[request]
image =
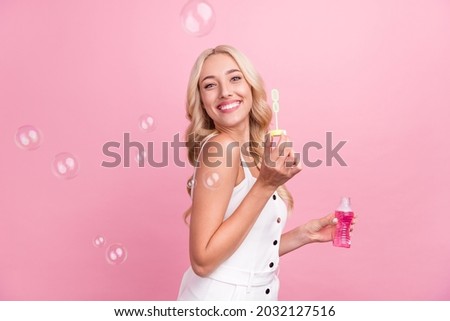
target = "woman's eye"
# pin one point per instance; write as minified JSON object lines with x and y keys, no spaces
{"x":207,"y":86}
{"x":236,"y":78}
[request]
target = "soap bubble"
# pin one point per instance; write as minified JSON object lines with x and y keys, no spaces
{"x":65,"y":165}
{"x":28,"y":137}
{"x":211,"y":180}
{"x":146,"y":123}
{"x":191,"y":183}
{"x":99,"y":241}
{"x":197,"y":18}
{"x":116,"y":254}
{"x":140,"y":157}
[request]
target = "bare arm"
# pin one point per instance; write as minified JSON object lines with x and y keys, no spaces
{"x":213,"y":240}
{"x":293,"y":239}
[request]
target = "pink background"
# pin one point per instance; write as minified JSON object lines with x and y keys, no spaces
{"x":375,"y":73}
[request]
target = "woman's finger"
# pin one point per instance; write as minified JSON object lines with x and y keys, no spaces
{"x":267,"y":147}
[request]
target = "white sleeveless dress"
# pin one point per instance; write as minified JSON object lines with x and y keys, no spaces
{"x":251,"y":272}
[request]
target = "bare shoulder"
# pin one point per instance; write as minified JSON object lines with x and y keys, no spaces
{"x":221,"y":151}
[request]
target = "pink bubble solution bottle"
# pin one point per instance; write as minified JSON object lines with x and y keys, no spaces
{"x":344,"y":214}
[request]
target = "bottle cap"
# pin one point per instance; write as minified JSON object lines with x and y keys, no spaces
{"x":345,"y":206}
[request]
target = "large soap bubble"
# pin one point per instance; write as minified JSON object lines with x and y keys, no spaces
{"x":28,"y":137}
{"x":197,"y":18}
{"x":65,"y":165}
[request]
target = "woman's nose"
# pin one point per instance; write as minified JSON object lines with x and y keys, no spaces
{"x":225,"y":90}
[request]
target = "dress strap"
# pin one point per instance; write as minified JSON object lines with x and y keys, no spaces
{"x":247,"y":172}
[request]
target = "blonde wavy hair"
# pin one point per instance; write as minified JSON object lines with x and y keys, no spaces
{"x":201,"y":126}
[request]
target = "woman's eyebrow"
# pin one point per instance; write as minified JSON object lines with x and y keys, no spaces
{"x":226,"y":73}
{"x":231,"y":71}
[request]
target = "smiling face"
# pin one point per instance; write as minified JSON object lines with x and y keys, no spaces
{"x":226,"y":95}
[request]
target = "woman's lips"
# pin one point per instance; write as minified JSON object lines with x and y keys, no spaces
{"x":229,"y":106}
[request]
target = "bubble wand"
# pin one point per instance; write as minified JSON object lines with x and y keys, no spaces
{"x":276,"y":109}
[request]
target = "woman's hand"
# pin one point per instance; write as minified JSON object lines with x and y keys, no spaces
{"x":279,"y":163}
{"x":321,"y":230}
{"x":316,"y":230}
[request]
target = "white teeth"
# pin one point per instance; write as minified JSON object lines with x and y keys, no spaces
{"x":229,"y":106}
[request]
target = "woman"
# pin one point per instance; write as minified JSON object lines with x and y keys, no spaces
{"x":239,"y":202}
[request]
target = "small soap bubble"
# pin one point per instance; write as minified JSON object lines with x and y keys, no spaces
{"x":197,"y":18}
{"x":191,"y":183}
{"x":211,"y":180}
{"x":99,"y":241}
{"x":140,"y":157}
{"x":65,"y":166}
{"x":146,"y":123}
{"x":28,"y":137}
{"x":116,"y":254}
